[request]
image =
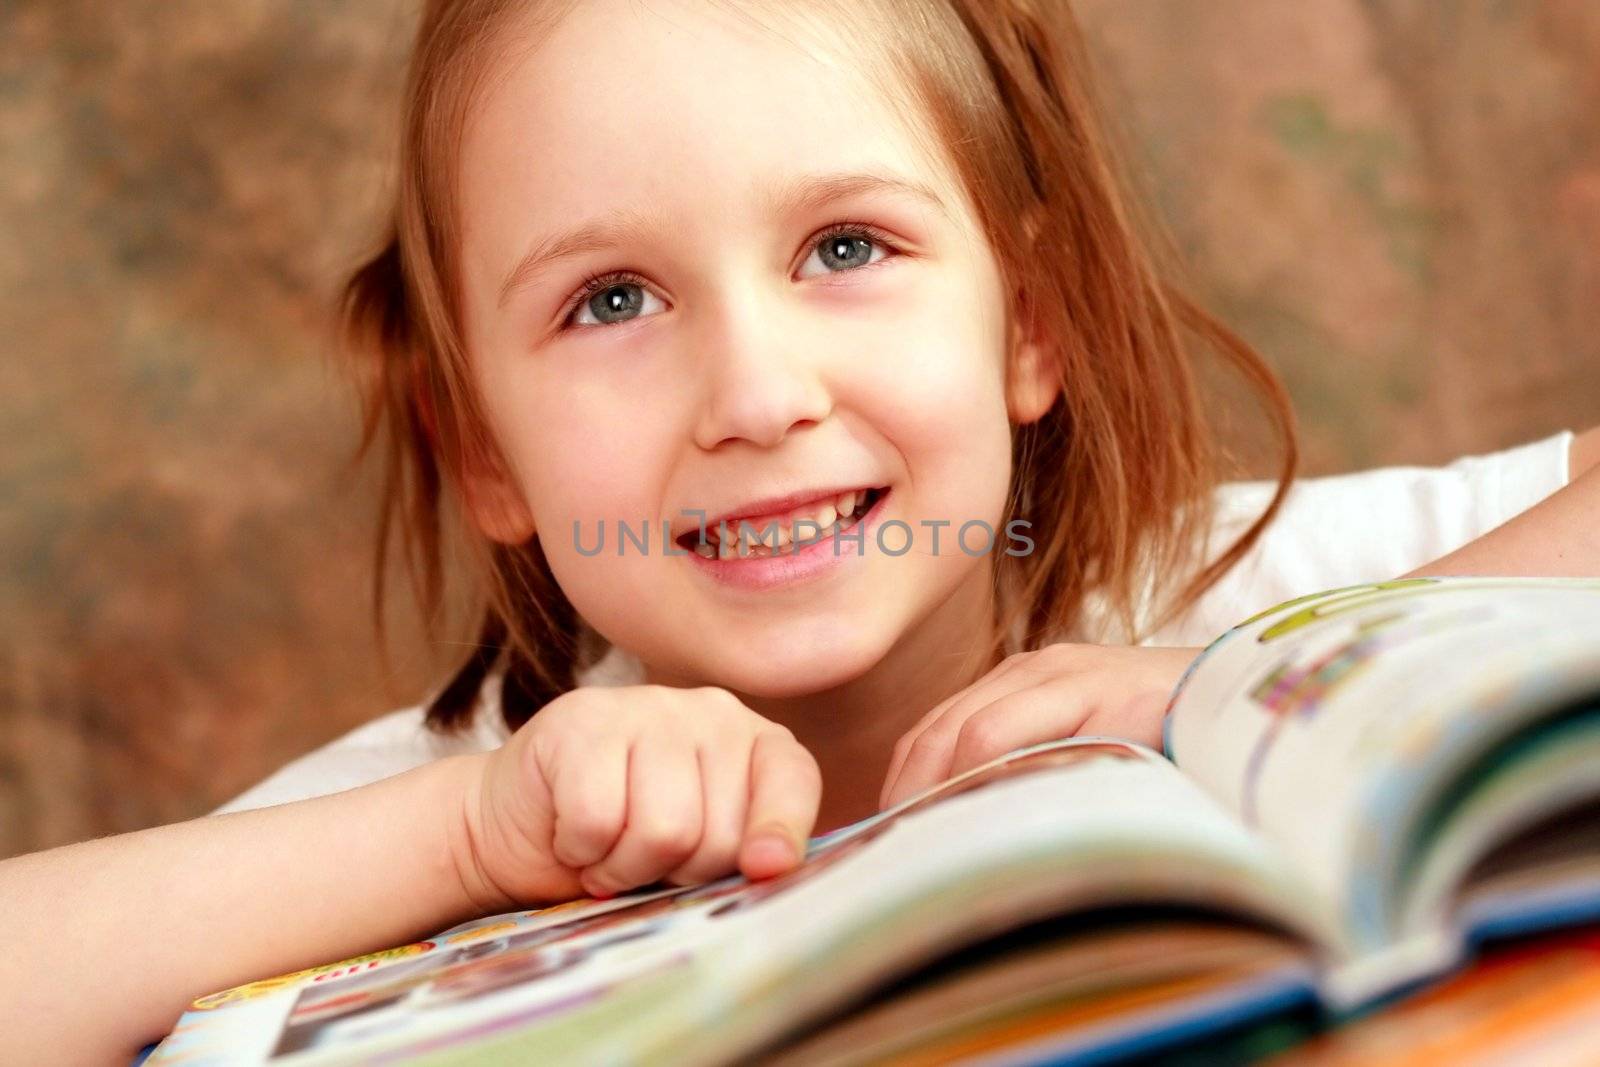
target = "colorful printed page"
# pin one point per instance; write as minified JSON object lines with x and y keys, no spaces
{"x":718,"y":971}
{"x":1343,"y":726}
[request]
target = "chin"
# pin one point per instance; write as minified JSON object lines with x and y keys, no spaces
{"x":798,"y":669}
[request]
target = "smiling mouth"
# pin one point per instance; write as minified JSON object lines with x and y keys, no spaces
{"x":750,"y":539}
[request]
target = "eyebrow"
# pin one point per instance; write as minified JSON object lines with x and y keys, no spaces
{"x":788,"y":198}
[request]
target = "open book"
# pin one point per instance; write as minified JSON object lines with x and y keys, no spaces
{"x":1360,"y":787}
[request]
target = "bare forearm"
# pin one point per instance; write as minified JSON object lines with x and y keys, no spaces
{"x":111,"y":938}
{"x":1585,"y":452}
{"x":1558,"y":536}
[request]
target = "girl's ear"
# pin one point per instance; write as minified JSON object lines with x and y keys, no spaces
{"x":495,"y":503}
{"x":1033,"y":378}
{"x":492,"y":498}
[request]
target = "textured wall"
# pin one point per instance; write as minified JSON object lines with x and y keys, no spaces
{"x":183,"y":560}
{"x":1398,"y":201}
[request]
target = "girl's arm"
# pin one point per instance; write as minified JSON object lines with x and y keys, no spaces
{"x":603,"y":791}
{"x":109,"y":939}
{"x":1558,"y":536}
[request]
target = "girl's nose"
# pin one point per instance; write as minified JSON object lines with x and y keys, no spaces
{"x":759,"y":377}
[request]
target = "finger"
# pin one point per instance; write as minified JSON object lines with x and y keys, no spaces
{"x":785,"y":792}
{"x":926,"y":757}
{"x":591,"y":801}
{"x":990,"y":687}
{"x":723,"y":777}
{"x":927,"y":762}
{"x":1017,"y":671}
{"x":1043,"y":713}
{"x":663,"y":821}
{"x":1140,"y":718}
{"x":906,"y":742}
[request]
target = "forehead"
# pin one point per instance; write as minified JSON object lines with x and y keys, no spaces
{"x":692,"y":109}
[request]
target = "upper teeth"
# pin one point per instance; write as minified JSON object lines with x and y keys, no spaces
{"x":776,"y":533}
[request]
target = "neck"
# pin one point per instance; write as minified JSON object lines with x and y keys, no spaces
{"x":851,"y":729}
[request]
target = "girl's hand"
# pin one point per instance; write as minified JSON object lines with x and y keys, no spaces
{"x":1055,"y":691}
{"x":610,"y":788}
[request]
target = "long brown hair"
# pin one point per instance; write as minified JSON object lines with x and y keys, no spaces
{"x":1116,"y":479}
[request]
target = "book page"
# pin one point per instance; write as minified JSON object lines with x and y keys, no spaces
{"x":702,"y":973}
{"x":1331,"y":723}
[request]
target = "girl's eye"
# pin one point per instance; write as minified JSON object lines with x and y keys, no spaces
{"x":846,"y":247}
{"x":607,"y":299}
{"x":610,"y":298}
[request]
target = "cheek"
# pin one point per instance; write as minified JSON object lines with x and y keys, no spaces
{"x":584,"y":455}
{"x":594,"y":476}
{"x":938,"y":396}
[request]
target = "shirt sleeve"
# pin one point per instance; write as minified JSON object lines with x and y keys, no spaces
{"x":1367,"y":526}
{"x":382,"y":748}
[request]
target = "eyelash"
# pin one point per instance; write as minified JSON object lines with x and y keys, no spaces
{"x":595,"y":283}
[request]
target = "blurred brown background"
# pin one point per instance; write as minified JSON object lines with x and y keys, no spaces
{"x":1397,"y":201}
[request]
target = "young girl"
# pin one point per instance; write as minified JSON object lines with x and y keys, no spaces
{"x":858,"y":269}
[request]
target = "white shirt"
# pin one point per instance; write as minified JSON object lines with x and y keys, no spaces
{"x":1331,"y":532}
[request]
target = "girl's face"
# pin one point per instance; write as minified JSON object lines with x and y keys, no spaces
{"x":739,"y":356}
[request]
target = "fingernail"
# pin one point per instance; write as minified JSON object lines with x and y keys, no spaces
{"x":771,"y":850}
